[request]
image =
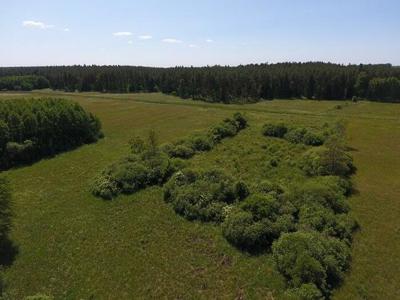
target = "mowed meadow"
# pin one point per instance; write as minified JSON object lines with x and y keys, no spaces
{"x":75,"y":246}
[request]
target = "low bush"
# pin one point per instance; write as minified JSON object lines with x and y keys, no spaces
{"x":311,"y":258}
{"x":133,"y":173}
{"x":274,"y":130}
{"x":202,"y":195}
{"x":296,"y":135}
{"x":258,"y":221}
{"x":315,"y":217}
{"x":188,"y":147}
{"x":327,"y":191}
{"x":308,"y":291}
{"x":181,"y":151}
{"x":326,"y":161}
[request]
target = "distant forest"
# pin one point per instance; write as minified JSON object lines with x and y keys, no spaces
{"x":249,"y":83}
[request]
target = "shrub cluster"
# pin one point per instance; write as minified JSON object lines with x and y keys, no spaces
{"x":203,"y":195}
{"x":296,"y":135}
{"x":33,"y":128}
{"x":186,"y":148}
{"x":150,"y":164}
{"x":330,"y":159}
{"x":312,"y":263}
{"x":133,"y":173}
{"x":258,"y":221}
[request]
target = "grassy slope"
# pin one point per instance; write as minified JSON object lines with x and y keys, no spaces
{"x":73,"y":245}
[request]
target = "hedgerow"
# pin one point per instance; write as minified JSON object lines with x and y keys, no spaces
{"x":186,"y":148}
{"x":296,"y":135}
{"x":150,"y":164}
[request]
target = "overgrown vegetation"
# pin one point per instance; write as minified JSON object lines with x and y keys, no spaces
{"x":151,"y":164}
{"x":296,"y":135}
{"x":306,"y":222}
{"x":34,"y":128}
{"x":58,"y":224}
{"x":250,"y":83}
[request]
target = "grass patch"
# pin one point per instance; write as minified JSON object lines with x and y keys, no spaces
{"x":73,"y":246}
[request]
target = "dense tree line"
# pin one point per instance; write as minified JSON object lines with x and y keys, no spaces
{"x":23,"y":83}
{"x":314,"y":80}
{"x":33,"y":128}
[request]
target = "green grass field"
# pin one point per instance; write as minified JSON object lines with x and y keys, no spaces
{"x":75,"y":246}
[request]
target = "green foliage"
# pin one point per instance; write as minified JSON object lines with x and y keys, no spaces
{"x":133,"y":173}
{"x":274,"y":130}
{"x":257,"y":222}
{"x":186,"y":148}
{"x":23,"y":83}
{"x":327,"y":191}
{"x":382,"y":89}
{"x":241,"y":84}
{"x":181,"y":151}
{"x":330,"y":159}
{"x":307,"y":291}
{"x":296,"y":135}
{"x":311,"y":258}
{"x":202,"y":195}
{"x":34,"y":128}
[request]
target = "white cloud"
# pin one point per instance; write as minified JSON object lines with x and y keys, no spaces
{"x":122,"y":33}
{"x":193,"y":46}
{"x":36,"y":24}
{"x":66,"y":29}
{"x":172,"y":41}
{"x":209,"y":41}
{"x":130,"y":42}
{"x":145,"y":37}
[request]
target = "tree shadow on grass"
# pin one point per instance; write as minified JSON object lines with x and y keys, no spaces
{"x":8,"y":252}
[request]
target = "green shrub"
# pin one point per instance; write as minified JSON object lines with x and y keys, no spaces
{"x":201,"y":195}
{"x":226,"y":129}
{"x":105,"y":187}
{"x":325,"y":191}
{"x":325,"y":161}
{"x":295,"y":135}
{"x":200,"y":143}
{"x":240,"y":120}
{"x":312,"y":139}
{"x":307,"y":291}
{"x":133,"y":173}
{"x":257,"y":222}
{"x":274,"y":130}
{"x":310,"y":258}
{"x":137,"y":145}
{"x":267,"y":186}
{"x":181,"y":151}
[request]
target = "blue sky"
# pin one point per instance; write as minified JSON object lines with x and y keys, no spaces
{"x":177,"y":32}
